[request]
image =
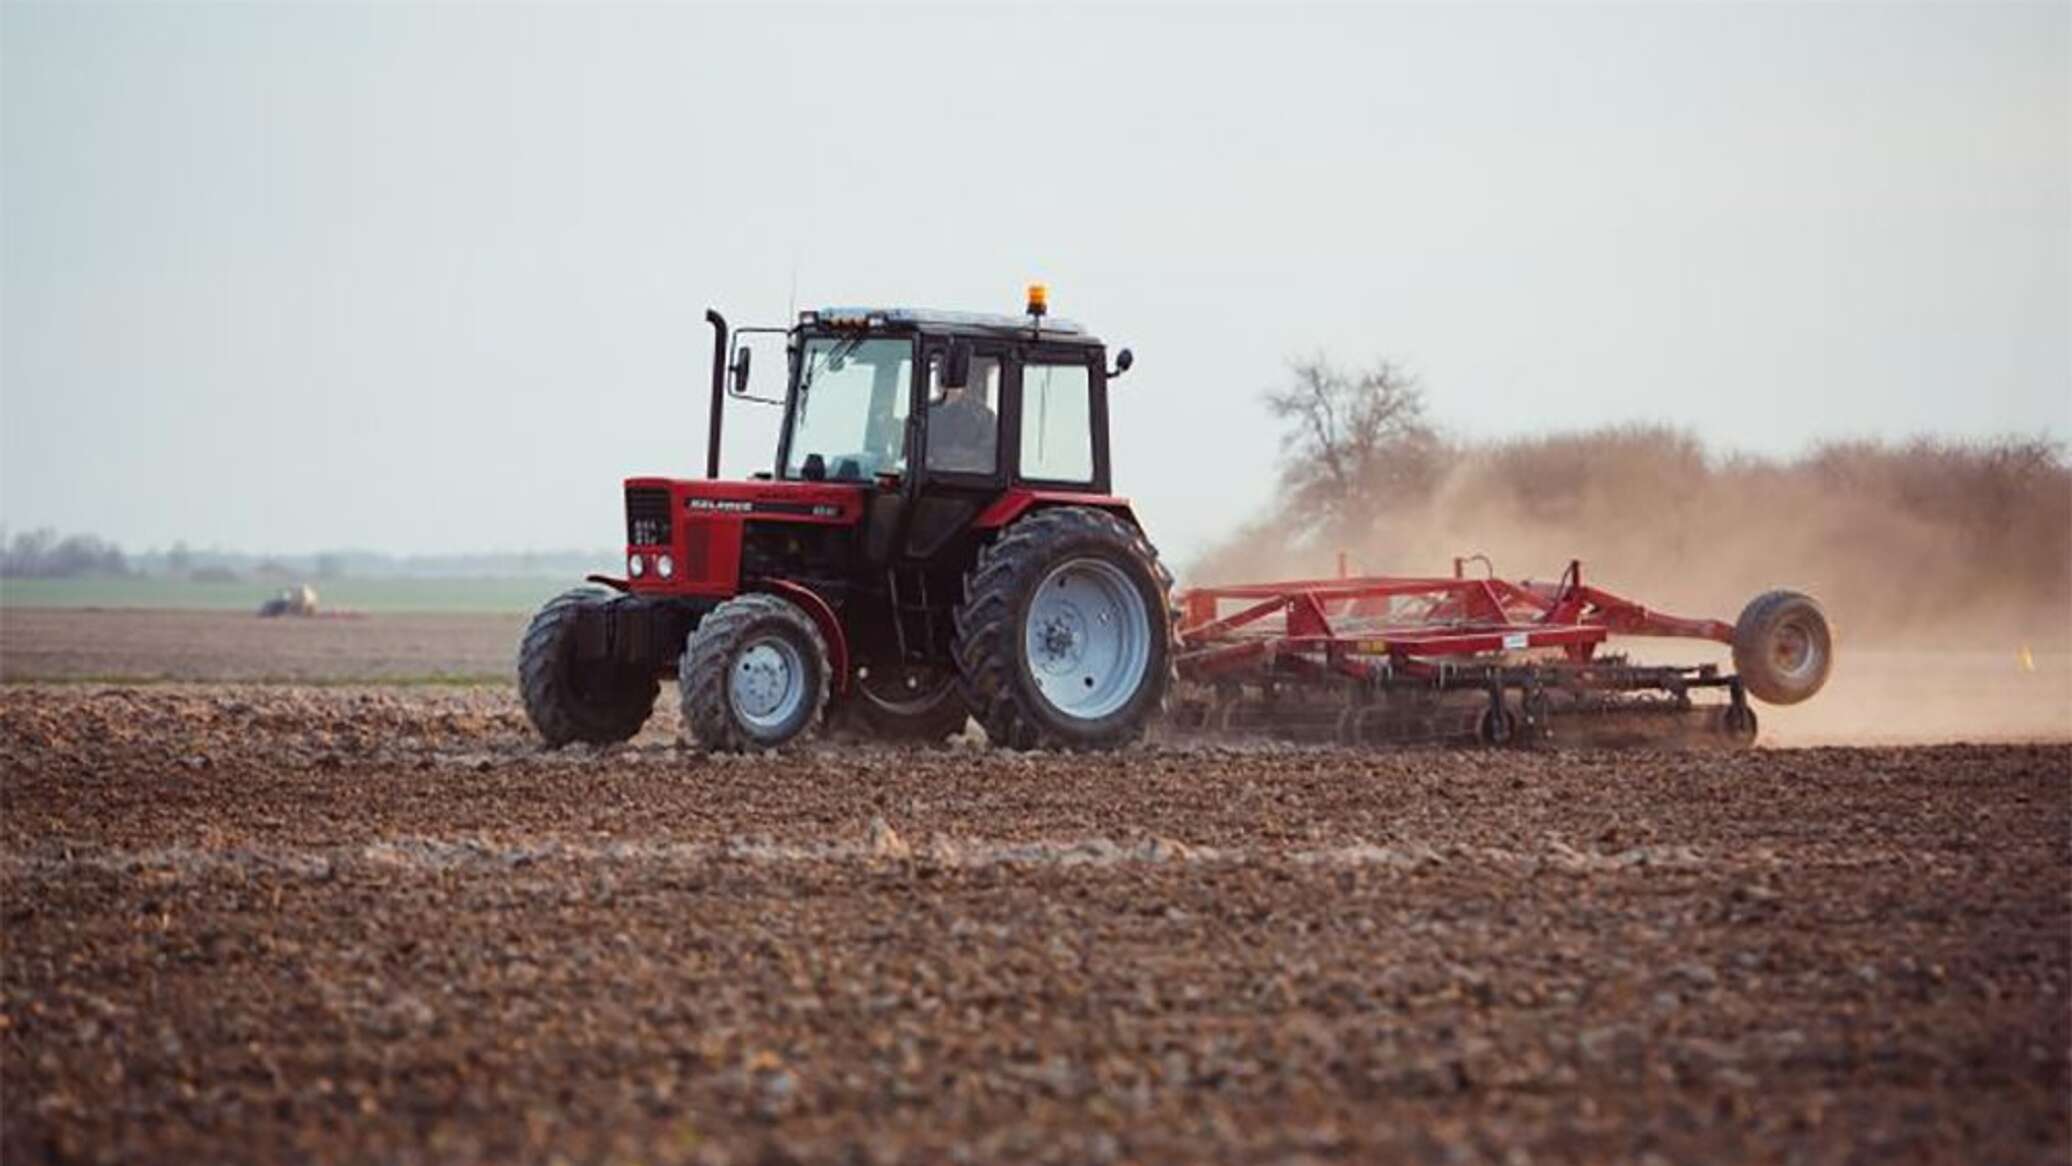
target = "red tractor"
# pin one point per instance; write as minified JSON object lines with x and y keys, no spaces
{"x":935,"y":542}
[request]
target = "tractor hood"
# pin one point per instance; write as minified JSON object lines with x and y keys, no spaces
{"x":837,"y":502}
{"x":683,"y":535}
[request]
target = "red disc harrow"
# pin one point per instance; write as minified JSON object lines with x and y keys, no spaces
{"x":1378,"y":659}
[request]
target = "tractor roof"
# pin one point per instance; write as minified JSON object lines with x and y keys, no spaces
{"x":936,"y":320}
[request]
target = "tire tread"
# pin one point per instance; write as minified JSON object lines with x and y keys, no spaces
{"x":702,"y":670}
{"x":559,"y":715}
{"x":1751,"y":632}
{"x":983,"y":644}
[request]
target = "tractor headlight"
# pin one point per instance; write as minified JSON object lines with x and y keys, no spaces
{"x":665,"y":566}
{"x":635,"y":565}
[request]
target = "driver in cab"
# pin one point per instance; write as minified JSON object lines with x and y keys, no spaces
{"x":962,"y":427}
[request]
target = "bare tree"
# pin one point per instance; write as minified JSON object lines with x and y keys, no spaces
{"x":1355,"y":443}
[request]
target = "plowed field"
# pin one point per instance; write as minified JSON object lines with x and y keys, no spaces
{"x":1878,"y":695}
{"x":276,"y":923}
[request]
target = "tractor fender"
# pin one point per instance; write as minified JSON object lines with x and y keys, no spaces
{"x":1017,"y":502}
{"x":823,"y":618}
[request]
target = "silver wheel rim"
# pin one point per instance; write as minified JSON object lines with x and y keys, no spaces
{"x":767,"y":682}
{"x":1088,"y":638}
{"x":1794,"y":651}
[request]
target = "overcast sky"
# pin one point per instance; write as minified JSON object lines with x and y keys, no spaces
{"x":418,"y":279}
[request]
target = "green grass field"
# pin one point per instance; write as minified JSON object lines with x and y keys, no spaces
{"x":370,"y":595}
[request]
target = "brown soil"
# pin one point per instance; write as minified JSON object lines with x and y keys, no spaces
{"x":256,"y":924}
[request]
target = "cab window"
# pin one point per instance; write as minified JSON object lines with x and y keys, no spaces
{"x":1057,"y":423}
{"x":964,"y":424}
{"x":848,"y":416}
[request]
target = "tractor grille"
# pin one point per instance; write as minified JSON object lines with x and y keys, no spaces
{"x":647,"y":516}
{"x":697,"y":549}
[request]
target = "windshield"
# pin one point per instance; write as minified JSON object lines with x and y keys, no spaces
{"x":850,"y":409}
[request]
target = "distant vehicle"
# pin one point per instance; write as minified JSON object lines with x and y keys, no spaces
{"x":291,"y":601}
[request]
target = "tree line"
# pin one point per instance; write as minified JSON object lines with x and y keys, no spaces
{"x":43,"y":554}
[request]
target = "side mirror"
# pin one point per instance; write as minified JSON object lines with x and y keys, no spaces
{"x":740,"y":370}
{"x":1123,"y":361}
{"x":956,"y":365}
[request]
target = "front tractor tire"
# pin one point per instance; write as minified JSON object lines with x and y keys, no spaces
{"x":1065,"y":638}
{"x":570,"y":700}
{"x":753,"y":675}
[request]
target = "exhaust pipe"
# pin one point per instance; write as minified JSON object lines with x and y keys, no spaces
{"x":719,"y":390}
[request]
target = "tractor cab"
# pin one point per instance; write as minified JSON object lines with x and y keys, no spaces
{"x":934,"y":416}
{"x":962,"y":399}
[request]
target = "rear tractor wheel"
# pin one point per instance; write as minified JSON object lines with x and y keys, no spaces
{"x":1782,"y":647}
{"x":570,"y":699}
{"x":753,"y":675}
{"x":1065,"y":637}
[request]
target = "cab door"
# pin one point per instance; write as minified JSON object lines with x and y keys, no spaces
{"x":965,"y":458}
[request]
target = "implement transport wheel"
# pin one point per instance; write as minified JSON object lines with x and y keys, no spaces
{"x":1496,"y":725}
{"x":896,"y":703}
{"x":1737,"y":723}
{"x":1782,"y":647}
{"x":569,"y":700}
{"x":753,"y":675}
{"x":1065,"y":637}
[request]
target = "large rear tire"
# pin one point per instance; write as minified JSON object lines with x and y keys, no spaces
{"x":1065,"y":638}
{"x":753,"y":675}
{"x":570,"y":700}
{"x":1782,"y":647}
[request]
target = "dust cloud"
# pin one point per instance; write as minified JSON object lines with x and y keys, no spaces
{"x":1945,"y":567}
